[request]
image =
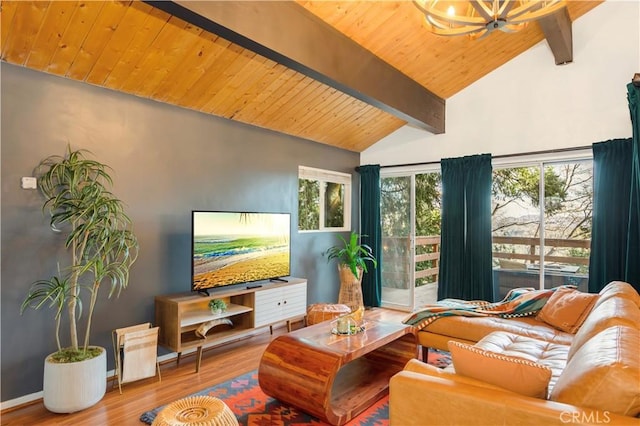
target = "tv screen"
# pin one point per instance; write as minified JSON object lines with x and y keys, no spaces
{"x":238,"y":247}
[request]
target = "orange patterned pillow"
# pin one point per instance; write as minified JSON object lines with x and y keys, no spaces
{"x":567,"y":309}
{"x":509,"y":372}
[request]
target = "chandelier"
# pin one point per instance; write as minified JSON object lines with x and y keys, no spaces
{"x":479,"y":18}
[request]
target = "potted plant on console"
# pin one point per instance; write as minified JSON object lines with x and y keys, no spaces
{"x":217,"y":306}
{"x":352,"y":257}
{"x":101,"y":249}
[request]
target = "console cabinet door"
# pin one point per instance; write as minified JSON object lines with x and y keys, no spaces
{"x":280,"y":304}
{"x":294,"y":301}
{"x":268,"y":308}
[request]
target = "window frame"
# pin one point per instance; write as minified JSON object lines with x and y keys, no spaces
{"x":540,"y":162}
{"x":501,"y":161}
{"x":409,"y":172}
{"x":323,"y":176}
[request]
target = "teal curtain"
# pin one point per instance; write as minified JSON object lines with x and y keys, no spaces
{"x":465,"y":249}
{"x":615,"y":239}
{"x":452,"y":230}
{"x":632,"y":275}
{"x":371,"y":231}
{"x":610,"y":223}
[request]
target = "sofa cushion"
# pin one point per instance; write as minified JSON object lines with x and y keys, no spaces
{"x":551,"y":355}
{"x":567,"y":309}
{"x":513,"y":373}
{"x":619,"y":289}
{"x":604,"y":373}
{"x":611,"y":312}
{"x":473,"y":329}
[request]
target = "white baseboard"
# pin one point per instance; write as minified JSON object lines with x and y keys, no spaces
{"x":19,"y":401}
{"x":26,"y":399}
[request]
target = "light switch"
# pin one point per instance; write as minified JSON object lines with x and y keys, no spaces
{"x":29,"y":182}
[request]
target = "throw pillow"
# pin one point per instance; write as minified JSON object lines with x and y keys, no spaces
{"x":567,"y":309}
{"x":508,"y":372}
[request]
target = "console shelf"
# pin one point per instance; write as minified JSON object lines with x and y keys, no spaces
{"x":180,"y":315}
{"x":198,"y":317}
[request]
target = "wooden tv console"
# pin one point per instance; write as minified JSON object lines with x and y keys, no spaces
{"x":180,"y":315}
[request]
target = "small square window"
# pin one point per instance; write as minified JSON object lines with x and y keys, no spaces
{"x":324,"y":200}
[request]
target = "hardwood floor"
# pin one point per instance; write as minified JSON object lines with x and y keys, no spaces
{"x":218,"y":365}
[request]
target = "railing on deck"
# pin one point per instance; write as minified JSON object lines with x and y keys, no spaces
{"x":428,"y":248}
{"x":533,"y":243}
{"x":432,"y":245}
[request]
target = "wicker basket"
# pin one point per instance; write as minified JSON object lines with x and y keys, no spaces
{"x":200,"y":410}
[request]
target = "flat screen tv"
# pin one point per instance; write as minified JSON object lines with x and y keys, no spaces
{"x":231,"y":248}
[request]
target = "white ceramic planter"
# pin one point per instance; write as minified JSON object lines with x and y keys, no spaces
{"x":72,"y":387}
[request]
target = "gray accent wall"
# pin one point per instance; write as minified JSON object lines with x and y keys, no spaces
{"x":166,"y":162}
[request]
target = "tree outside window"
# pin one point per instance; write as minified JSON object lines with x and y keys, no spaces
{"x":541,"y":221}
{"x":324,"y":200}
{"x":308,"y":204}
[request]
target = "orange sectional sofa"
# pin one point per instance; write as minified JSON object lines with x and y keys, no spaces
{"x":525,"y":371}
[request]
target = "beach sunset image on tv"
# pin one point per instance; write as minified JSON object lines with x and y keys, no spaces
{"x":233,"y":248}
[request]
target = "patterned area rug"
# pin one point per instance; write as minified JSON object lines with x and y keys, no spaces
{"x":253,"y":408}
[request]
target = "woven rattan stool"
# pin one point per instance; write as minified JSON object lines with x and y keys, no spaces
{"x":319,"y":312}
{"x":196,"y":411}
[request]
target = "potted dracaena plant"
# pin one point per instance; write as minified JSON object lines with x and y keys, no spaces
{"x":352,"y":258}
{"x":101,"y":249}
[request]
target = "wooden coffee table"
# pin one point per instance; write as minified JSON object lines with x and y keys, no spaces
{"x":336,"y":377}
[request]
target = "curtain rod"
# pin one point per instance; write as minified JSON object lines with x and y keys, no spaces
{"x":519,"y":154}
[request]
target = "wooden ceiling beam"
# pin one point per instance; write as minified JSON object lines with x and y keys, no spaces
{"x":557,"y":30}
{"x":286,"y":32}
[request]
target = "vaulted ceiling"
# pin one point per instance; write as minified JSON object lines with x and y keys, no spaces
{"x":342,"y":73}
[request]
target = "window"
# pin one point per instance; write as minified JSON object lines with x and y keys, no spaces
{"x":324,"y":200}
{"x":542,"y":225}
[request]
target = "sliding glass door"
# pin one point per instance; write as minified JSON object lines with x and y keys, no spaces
{"x":541,"y":221}
{"x":396,"y":213}
{"x":541,"y":226}
{"x":568,"y":209}
{"x":516,"y":228}
{"x":410,"y":216}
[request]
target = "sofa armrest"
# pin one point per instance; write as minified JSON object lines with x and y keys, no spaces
{"x":417,"y":366}
{"x":448,"y":399}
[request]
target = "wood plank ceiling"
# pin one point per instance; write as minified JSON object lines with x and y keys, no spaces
{"x":132,"y":47}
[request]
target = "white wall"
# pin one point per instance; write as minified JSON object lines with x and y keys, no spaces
{"x":531,"y":104}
